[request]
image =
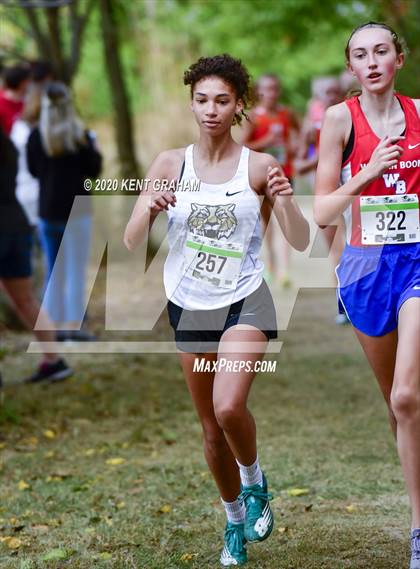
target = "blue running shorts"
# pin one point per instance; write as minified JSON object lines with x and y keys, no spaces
{"x":374,"y":282}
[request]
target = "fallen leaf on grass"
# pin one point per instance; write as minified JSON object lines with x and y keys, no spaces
{"x":54,"y":479}
{"x":165,"y":509}
{"x":57,"y":555}
{"x":22,"y":485}
{"x":49,"y":434}
{"x":283,"y":530}
{"x":185,"y":557}
{"x":29,"y":441}
{"x":136,"y":490}
{"x":49,"y":454}
{"x":120,"y":505}
{"x":115,"y":461}
{"x":58,"y":476}
{"x":89,"y":452}
{"x":11,"y":542}
{"x":105,"y":555}
{"x":42,"y":528}
{"x":351,"y":508}
{"x":298,"y":491}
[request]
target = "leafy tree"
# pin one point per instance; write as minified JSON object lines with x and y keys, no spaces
{"x":57,"y":27}
{"x":122,"y":115}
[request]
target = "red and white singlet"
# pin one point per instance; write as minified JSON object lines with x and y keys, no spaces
{"x":280,"y":123}
{"x":387,"y":210}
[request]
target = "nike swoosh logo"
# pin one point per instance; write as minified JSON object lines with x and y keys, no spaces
{"x":412,"y":146}
{"x":233,"y":193}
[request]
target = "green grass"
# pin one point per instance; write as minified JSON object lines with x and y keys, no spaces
{"x":322,"y":426}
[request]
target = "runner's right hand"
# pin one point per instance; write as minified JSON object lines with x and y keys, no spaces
{"x":385,"y":155}
{"x":160,"y":201}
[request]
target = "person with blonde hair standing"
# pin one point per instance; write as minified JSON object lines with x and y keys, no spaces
{"x":62,"y":154}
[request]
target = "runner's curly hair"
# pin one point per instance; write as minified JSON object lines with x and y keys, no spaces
{"x":227,"y":68}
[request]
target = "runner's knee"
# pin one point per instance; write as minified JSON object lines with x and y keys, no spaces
{"x":228,"y":414}
{"x":405,"y":403}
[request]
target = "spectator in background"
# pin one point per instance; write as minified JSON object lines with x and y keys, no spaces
{"x":12,"y":96}
{"x":62,"y":154}
{"x":349,"y":84}
{"x":326,"y":91}
{"x":273,"y":128}
{"x":27,"y":187}
{"x":15,"y":265}
{"x":41,"y":72}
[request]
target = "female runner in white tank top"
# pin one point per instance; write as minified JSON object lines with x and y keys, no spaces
{"x":213,"y":281}
{"x":379,"y":272}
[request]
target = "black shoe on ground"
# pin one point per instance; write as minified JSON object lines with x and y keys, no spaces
{"x":62,"y":335}
{"x":81,"y":336}
{"x":57,"y":371}
{"x":74,"y":336}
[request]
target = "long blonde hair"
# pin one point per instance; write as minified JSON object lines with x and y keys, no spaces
{"x":61,"y":130}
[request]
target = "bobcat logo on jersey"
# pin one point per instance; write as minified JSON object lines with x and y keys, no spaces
{"x":213,"y":221}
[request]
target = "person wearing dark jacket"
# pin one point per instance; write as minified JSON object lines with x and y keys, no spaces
{"x":15,"y":265}
{"x":62,"y":155}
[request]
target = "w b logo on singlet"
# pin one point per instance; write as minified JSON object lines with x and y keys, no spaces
{"x":393,"y":181}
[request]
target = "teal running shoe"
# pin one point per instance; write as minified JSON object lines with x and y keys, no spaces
{"x":234,"y":551}
{"x":259,"y":521}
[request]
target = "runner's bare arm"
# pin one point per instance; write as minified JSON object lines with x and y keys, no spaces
{"x":331,"y":202}
{"x":267,"y":177}
{"x":151,"y":202}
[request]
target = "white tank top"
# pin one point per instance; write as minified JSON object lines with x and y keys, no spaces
{"x":214,"y":237}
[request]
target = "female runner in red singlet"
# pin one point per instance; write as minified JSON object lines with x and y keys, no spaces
{"x":373,"y":143}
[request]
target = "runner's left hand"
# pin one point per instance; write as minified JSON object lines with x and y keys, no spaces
{"x":277,"y":183}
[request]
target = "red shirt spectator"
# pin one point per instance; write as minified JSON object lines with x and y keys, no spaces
{"x":16,"y":81}
{"x":10,"y":110}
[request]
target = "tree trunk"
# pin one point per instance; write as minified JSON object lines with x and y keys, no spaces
{"x":122,"y":115}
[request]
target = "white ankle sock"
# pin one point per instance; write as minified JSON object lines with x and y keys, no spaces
{"x":251,"y":474}
{"x":235,"y":511}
